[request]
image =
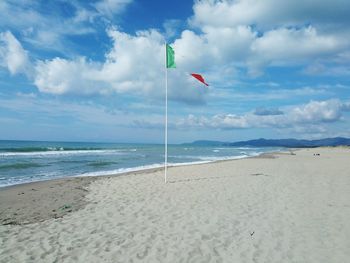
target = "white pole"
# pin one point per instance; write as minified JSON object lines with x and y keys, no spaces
{"x":166,"y":118}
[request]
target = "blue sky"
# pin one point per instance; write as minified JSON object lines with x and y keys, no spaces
{"x":94,"y":70}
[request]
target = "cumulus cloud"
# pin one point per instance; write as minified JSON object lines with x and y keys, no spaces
{"x":243,"y":46}
{"x":283,"y":47}
{"x":311,"y":114}
{"x":252,"y":34}
{"x":268,"y":13}
{"x":227,"y":41}
{"x":134,"y":64}
{"x":12,"y":54}
{"x":215,"y":46}
{"x":60,"y":76}
{"x":131,"y":65}
{"x":318,"y":111}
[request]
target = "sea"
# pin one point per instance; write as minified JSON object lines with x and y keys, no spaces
{"x":29,"y":161}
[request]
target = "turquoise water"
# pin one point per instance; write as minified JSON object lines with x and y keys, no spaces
{"x":27,"y":161}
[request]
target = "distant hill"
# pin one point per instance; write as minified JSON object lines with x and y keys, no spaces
{"x":338,"y":141}
{"x":207,"y":143}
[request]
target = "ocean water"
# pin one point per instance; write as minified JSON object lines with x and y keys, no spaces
{"x":27,"y":161}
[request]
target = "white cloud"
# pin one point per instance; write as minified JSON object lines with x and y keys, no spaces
{"x":12,"y":54}
{"x":43,"y":29}
{"x":268,"y":13}
{"x":253,"y":34}
{"x":225,"y":43}
{"x":318,"y":111}
{"x":220,"y":121}
{"x":19,"y":14}
{"x":60,"y":76}
{"x":134,"y":64}
{"x":51,"y":31}
{"x":241,"y":46}
{"x":111,"y":7}
{"x":215,"y":46}
{"x":308,"y":115}
{"x":283,"y":47}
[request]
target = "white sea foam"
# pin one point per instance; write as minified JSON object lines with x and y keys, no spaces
{"x":213,"y":158}
{"x":203,"y":159}
{"x":62,"y":152}
{"x":59,"y":173}
{"x":246,"y":148}
{"x":121,"y":170}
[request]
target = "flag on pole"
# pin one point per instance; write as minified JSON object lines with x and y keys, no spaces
{"x":199,"y":78}
{"x":169,"y":63}
{"x":170,"y":57}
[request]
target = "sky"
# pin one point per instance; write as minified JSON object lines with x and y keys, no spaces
{"x":95,"y":70}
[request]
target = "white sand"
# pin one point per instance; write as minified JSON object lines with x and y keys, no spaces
{"x":294,"y":208}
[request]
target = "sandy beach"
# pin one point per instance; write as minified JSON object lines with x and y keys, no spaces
{"x":273,"y":208}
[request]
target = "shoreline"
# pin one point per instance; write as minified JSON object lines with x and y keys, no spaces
{"x":71,"y":191}
{"x":152,"y":168}
{"x":282,"y":207}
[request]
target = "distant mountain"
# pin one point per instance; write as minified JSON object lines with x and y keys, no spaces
{"x":338,"y":141}
{"x":207,"y":143}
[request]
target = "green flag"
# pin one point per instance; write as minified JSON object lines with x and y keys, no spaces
{"x":170,"y":57}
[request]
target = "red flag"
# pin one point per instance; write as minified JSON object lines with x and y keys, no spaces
{"x":200,"y":78}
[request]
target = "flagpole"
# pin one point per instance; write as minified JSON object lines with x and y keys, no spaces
{"x":166,"y":119}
